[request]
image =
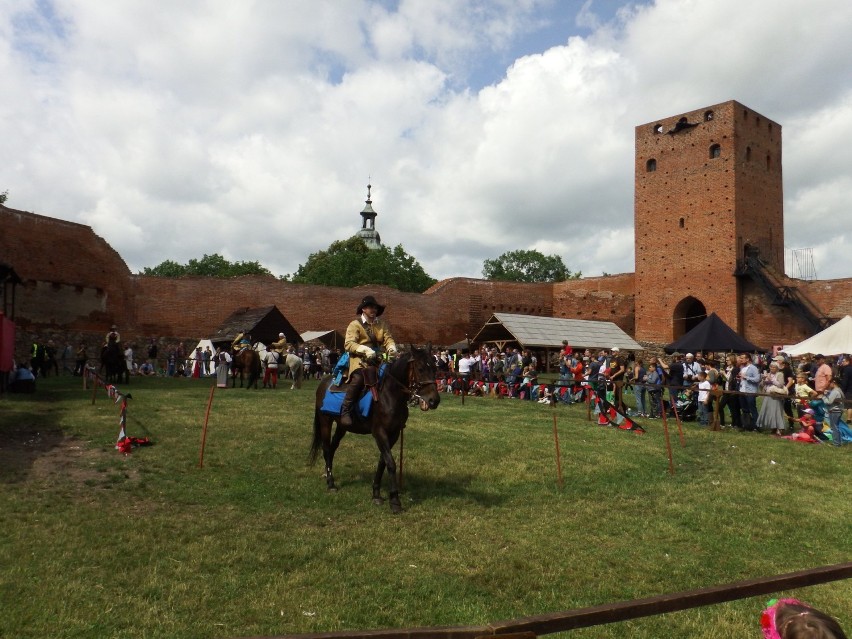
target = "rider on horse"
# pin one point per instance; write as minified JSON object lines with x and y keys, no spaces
{"x":113,"y":335}
{"x":280,"y":346}
{"x":366,"y":337}
{"x":241,"y":341}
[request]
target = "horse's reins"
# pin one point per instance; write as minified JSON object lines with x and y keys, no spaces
{"x":414,"y":385}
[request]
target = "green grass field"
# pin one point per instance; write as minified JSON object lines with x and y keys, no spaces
{"x":96,"y":544}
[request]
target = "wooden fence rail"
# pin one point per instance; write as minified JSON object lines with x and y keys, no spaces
{"x":530,"y":627}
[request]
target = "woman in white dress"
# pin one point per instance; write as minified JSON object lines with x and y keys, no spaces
{"x":771,"y":416}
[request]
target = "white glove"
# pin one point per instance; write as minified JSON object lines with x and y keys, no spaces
{"x":392,"y":351}
{"x":365,"y":351}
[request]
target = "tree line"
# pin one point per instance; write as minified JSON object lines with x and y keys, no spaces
{"x":351,"y":263}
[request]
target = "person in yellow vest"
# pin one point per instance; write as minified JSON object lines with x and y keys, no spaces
{"x":367,"y":338}
{"x":280,"y":346}
{"x":241,"y":341}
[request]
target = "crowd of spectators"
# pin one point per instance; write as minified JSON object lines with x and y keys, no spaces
{"x":794,"y":395}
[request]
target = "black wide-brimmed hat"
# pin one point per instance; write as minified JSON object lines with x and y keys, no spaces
{"x":369,"y":300}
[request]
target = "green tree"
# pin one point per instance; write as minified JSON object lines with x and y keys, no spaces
{"x":208,"y":266}
{"x":4,"y":196}
{"x":351,"y":263}
{"x":527,"y":266}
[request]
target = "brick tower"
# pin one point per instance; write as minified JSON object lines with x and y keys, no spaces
{"x":707,"y":190}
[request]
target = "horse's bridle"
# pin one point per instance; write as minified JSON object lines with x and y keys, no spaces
{"x":414,"y":385}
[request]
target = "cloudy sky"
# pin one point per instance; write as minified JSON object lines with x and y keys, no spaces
{"x":251,"y":128}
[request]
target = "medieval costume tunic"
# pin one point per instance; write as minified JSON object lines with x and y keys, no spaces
{"x":363,"y":340}
{"x":280,"y":346}
{"x":223,"y":365}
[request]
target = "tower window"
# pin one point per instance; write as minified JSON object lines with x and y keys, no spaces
{"x":715,"y":151}
{"x":682,"y":222}
{"x":748,"y":154}
{"x":658,"y":128}
{"x":651,"y":165}
{"x":768,"y":162}
{"x":708,"y":116}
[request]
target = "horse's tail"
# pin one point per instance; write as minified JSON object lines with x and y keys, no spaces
{"x":316,"y":444}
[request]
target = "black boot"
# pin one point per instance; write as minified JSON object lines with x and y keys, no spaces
{"x":353,"y":394}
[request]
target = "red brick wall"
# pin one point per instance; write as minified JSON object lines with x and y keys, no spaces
{"x":445,"y":314}
{"x":767,"y":324}
{"x":608,"y":299}
{"x":832,"y":297}
{"x":694,"y":212}
{"x":72,"y":277}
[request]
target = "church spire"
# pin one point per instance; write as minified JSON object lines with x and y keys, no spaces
{"x":368,"y":231}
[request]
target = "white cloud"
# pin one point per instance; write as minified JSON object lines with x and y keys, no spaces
{"x":173,"y":132}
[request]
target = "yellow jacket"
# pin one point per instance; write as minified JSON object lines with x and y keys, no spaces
{"x":280,"y":346}
{"x":360,"y":346}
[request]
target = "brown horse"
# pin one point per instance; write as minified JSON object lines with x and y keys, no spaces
{"x":246,"y":361}
{"x":408,"y":380}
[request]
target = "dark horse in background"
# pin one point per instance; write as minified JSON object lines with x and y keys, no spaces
{"x":113,"y":363}
{"x":247,"y":361}
{"x":408,"y":379}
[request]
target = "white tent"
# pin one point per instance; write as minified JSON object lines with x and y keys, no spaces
{"x":203,"y":344}
{"x":834,"y":340}
{"x":330,"y":338}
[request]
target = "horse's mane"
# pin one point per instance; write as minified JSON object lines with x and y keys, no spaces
{"x":398,"y":368}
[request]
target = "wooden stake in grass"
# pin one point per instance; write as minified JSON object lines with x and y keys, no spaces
{"x":677,"y":419}
{"x":717,"y":398}
{"x":668,"y":442}
{"x":204,"y":430}
{"x":94,"y":389}
{"x":558,"y":456}
{"x":401,"y":447}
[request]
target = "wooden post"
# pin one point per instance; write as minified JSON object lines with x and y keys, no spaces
{"x":668,"y":443}
{"x":401,"y":447}
{"x":717,"y":397}
{"x":673,"y":402}
{"x":558,"y":456}
{"x":204,"y":430}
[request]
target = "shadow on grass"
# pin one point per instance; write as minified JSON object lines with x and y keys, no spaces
{"x":420,"y":488}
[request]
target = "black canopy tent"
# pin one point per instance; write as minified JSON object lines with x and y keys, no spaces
{"x":264,"y":324}
{"x":712,"y":335}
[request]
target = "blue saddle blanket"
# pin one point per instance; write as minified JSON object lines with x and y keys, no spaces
{"x":332,"y":402}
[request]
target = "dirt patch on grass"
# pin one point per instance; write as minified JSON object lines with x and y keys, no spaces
{"x":33,"y":454}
